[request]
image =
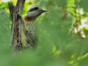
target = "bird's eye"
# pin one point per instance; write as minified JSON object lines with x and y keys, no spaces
{"x":33,"y":9}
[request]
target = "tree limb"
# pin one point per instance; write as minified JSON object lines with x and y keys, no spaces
{"x":16,"y":13}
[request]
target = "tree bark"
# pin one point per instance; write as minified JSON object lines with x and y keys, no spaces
{"x":16,"y":12}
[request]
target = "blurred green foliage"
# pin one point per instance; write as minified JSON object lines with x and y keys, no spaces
{"x":63,"y":35}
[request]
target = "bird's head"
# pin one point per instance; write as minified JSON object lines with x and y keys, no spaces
{"x":33,"y":13}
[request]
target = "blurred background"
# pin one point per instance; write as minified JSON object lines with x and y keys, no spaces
{"x":63,"y":34}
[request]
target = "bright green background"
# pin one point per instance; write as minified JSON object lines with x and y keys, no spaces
{"x":59,"y":44}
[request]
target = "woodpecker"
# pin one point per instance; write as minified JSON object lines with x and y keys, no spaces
{"x":29,"y":36}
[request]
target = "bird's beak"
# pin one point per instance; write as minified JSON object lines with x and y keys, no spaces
{"x":40,"y":12}
{"x":43,"y":11}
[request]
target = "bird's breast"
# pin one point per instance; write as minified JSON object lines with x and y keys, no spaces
{"x":30,"y":27}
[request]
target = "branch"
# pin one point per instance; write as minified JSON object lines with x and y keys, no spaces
{"x":16,"y":13}
{"x":11,"y":8}
{"x":19,"y":6}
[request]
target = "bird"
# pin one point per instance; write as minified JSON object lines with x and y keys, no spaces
{"x":29,"y":37}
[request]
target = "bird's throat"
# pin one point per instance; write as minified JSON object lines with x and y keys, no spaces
{"x":28,"y":19}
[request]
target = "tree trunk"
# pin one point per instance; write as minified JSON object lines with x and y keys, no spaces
{"x":16,"y":12}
